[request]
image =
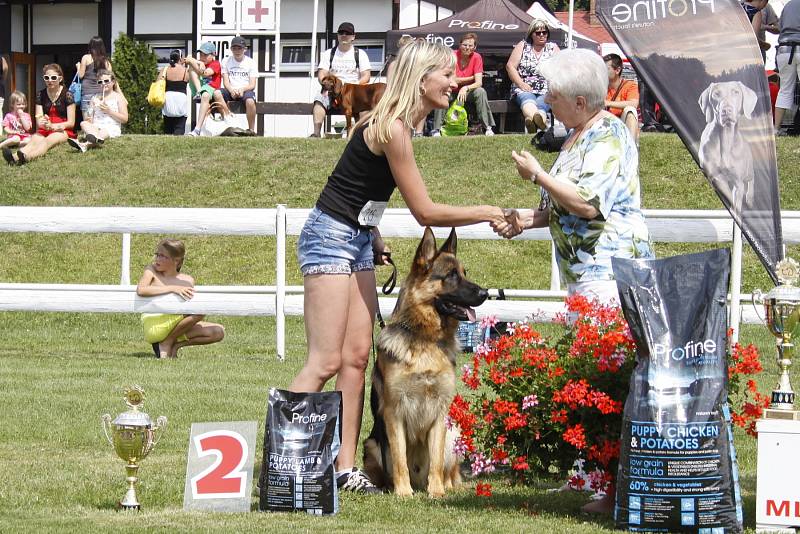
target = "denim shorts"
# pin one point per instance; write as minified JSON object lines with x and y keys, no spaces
{"x":522,"y":98}
{"x":329,"y":246}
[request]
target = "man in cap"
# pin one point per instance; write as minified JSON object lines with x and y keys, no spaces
{"x":205,"y":77}
{"x":344,"y":61}
{"x":239,"y":74}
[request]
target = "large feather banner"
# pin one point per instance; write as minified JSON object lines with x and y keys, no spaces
{"x":702,"y":61}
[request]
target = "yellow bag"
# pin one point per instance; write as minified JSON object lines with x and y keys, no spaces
{"x":157,"y":94}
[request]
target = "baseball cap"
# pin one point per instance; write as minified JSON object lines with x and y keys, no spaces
{"x":208,"y":48}
{"x":346,"y":27}
{"x":238,"y":41}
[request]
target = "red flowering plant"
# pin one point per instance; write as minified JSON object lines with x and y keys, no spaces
{"x":539,"y":404}
{"x":750,"y":404}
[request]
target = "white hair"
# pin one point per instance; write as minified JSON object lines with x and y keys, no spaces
{"x":577,"y":72}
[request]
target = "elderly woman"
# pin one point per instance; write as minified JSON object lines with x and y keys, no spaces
{"x":590,"y":197}
{"x":529,"y":86}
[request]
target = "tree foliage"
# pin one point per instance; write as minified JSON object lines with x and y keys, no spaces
{"x":136,"y":67}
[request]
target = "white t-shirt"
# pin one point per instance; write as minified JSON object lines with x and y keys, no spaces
{"x":343,"y":65}
{"x":239,"y":72}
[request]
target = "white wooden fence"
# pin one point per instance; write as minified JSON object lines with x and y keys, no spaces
{"x":704,"y":226}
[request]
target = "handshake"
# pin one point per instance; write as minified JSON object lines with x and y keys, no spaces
{"x":508,"y":225}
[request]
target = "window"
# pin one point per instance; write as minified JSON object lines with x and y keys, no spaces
{"x":296,"y":56}
{"x":162,"y":50}
{"x":374,"y":50}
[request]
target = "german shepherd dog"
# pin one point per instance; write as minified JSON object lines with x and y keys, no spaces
{"x":414,"y":379}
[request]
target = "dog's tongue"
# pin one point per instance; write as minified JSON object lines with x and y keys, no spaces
{"x":470,"y":313}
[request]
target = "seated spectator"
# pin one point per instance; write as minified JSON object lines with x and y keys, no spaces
{"x":107,"y":112}
{"x":239,"y":74}
{"x":17,"y":123}
{"x":469,"y":78}
{"x":344,"y":61}
{"x":176,"y":105}
{"x":168,"y":333}
{"x":205,"y":77}
{"x":622,"y":96}
{"x":55,"y":118}
{"x":528,"y":85}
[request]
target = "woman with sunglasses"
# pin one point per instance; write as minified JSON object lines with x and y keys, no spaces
{"x":529,"y":87}
{"x":55,"y":118}
{"x":107,"y":112}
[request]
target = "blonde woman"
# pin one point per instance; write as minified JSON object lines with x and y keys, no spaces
{"x":340,"y":238}
{"x":107,"y":112}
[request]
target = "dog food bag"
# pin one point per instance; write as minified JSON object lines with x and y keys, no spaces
{"x":677,"y":467}
{"x":301,"y":442}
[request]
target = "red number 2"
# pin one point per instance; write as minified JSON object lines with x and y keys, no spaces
{"x":224,"y":478}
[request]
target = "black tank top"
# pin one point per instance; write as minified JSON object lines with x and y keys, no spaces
{"x":179,"y":86}
{"x":359,"y":176}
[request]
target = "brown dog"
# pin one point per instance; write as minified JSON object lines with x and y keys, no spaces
{"x":352,"y":98}
{"x":414,"y":379}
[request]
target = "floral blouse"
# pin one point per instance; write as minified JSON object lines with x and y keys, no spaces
{"x":528,"y":68}
{"x":603,"y":164}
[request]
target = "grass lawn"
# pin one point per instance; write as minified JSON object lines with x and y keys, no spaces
{"x":60,"y":372}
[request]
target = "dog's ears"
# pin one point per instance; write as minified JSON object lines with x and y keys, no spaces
{"x":450,"y":244}
{"x":749,"y":99}
{"x":337,"y":86}
{"x":705,"y":105}
{"x":426,"y":251}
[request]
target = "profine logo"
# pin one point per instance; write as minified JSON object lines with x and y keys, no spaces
{"x":648,"y":11}
{"x":692,"y":349}
{"x":481,"y":25}
{"x":311,"y":418}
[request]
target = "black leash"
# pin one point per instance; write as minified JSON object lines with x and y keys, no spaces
{"x":388,"y":287}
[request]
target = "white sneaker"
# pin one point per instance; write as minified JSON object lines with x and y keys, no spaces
{"x":193,"y":133}
{"x":436,"y":133}
{"x":488,"y":132}
{"x":74,"y":143}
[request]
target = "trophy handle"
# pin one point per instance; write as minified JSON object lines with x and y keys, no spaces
{"x":758,"y":300}
{"x":106,"y":421}
{"x":158,"y":429}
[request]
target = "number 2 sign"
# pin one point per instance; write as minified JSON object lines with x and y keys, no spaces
{"x":219,"y":468}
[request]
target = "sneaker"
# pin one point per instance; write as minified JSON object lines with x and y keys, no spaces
{"x":313,"y":135}
{"x":488,"y":132}
{"x":74,"y":143}
{"x":540,"y":119}
{"x":357,"y":482}
{"x":193,"y":133}
{"x":436,"y":133}
{"x":8,"y":155}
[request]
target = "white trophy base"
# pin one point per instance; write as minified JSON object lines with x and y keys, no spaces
{"x":778,"y":495}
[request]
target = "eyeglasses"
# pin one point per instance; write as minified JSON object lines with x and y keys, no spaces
{"x":160,"y":256}
{"x":104,"y":82}
{"x":541,"y":33}
{"x":51,"y":78}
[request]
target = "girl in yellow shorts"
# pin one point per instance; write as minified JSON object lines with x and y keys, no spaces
{"x":168,"y":332}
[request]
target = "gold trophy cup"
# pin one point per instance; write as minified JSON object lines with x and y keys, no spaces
{"x":133,"y":436}
{"x":782,"y":309}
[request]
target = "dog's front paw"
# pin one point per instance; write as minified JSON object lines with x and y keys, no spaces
{"x":403,"y":491}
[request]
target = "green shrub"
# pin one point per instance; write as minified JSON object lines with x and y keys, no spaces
{"x":136,"y":67}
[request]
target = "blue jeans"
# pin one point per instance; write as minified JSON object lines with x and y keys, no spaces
{"x":522,"y":98}
{"x":329,"y":246}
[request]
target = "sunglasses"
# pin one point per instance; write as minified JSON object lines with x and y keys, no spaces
{"x":104,"y":82}
{"x":541,"y":33}
{"x":49,"y":78}
{"x":345,"y":33}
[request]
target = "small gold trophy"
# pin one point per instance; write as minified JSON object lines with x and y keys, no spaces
{"x":782,"y":309}
{"x":133,"y":436}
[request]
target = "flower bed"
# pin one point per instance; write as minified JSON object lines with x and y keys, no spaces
{"x":538,"y":404}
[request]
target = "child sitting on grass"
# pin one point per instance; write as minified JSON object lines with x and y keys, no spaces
{"x":17,"y":122}
{"x":169,"y":333}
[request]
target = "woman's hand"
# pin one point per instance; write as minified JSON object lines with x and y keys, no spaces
{"x":528,"y":166}
{"x":380,"y":250}
{"x":185,"y":292}
{"x":462,"y":95}
{"x":103,"y":107}
{"x":525,"y":87}
{"x":511,"y":225}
